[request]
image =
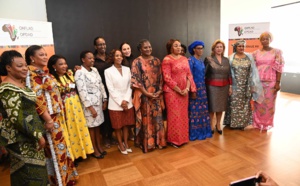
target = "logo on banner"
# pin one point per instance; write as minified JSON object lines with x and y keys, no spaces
{"x":11,"y":30}
{"x":239,"y":30}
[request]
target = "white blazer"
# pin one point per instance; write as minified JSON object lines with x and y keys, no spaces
{"x":118,"y":87}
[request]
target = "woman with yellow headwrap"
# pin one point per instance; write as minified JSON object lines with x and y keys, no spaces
{"x":269,"y":62}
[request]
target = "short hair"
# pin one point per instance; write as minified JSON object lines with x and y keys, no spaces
{"x":7,"y":57}
{"x":169,"y":45}
{"x":266,"y":34}
{"x":214,"y":46}
{"x":30,"y":51}
{"x":141,"y":42}
{"x":83,"y":54}
{"x":111,"y":55}
{"x":52,"y":61}
{"x":95,"y":40}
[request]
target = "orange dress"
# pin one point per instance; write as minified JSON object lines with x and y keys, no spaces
{"x":150,"y":131}
{"x":60,"y":167}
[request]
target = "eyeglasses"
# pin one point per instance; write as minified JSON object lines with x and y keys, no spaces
{"x":101,"y":44}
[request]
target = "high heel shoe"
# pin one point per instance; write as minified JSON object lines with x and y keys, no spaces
{"x":124,"y":151}
{"x":127,"y":149}
{"x":219,"y":131}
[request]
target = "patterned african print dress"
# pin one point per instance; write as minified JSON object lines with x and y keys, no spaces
{"x":245,"y":86}
{"x":199,"y":120}
{"x":150,"y":131}
{"x":79,"y":135}
{"x":21,"y":129}
{"x":175,"y":73}
{"x":268,"y":63}
{"x":60,"y":167}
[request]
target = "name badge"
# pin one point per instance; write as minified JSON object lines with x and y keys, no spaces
{"x":72,"y":85}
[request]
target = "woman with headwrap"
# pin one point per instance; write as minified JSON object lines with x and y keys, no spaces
{"x":199,"y":120}
{"x":269,"y":62}
{"x":246,"y":86}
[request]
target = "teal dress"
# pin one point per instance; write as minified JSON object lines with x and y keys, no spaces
{"x":20,"y":130}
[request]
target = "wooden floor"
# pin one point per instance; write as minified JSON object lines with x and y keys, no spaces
{"x":215,"y":161}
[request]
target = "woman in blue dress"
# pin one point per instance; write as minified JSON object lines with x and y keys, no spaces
{"x":199,"y":120}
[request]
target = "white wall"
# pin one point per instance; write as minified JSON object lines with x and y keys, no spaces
{"x":34,"y":10}
{"x":237,"y":11}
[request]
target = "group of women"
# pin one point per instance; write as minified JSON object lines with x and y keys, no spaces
{"x":45,"y":106}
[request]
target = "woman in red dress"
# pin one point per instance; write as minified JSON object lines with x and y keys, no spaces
{"x":178,"y":82}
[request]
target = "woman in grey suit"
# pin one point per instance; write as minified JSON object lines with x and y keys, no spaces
{"x":218,"y":83}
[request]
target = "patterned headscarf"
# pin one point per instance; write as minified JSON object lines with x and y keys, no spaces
{"x":237,"y":43}
{"x":194,"y":45}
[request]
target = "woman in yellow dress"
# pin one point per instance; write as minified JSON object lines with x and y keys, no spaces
{"x":79,"y":135}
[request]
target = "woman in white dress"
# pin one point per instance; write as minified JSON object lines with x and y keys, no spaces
{"x":93,"y":99}
{"x":120,"y":101}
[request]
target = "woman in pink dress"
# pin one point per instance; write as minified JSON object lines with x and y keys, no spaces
{"x":269,"y":62}
{"x":178,"y":82}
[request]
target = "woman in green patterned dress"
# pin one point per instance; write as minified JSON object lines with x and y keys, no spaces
{"x":21,"y":128}
{"x":246,"y":86}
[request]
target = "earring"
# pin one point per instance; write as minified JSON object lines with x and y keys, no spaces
{"x":55,"y":69}
{"x":32,"y":61}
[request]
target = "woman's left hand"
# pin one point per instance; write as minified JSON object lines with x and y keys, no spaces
{"x":104,"y":105}
{"x":42,"y":143}
{"x":124,"y":105}
{"x":230,"y":90}
{"x":277,"y":86}
{"x":184,"y":92}
{"x":193,"y":95}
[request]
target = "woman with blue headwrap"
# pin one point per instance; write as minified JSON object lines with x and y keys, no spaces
{"x":199,"y":120}
{"x":246,"y":85}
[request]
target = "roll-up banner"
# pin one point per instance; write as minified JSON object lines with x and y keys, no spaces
{"x":20,"y":34}
{"x":250,"y":32}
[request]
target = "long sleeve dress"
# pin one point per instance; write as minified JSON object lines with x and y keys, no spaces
{"x":60,"y":167}
{"x":150,"y":130}
{"x":268,"y":64}
{"x":79,"y":135}
{"x":246,"y":85}
{"x":20,"y":130}
{"x":175,"y":73}
{"x":92,"y":93}
{"x":199,"y":120}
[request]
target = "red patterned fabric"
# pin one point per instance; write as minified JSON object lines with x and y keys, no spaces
{"x":175,"y":73}
{"x":123,"y":118}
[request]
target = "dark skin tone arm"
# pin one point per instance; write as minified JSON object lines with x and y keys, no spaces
{"x":277,"y":85}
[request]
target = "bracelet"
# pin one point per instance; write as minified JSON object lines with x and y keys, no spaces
{"x":47,"y":122}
